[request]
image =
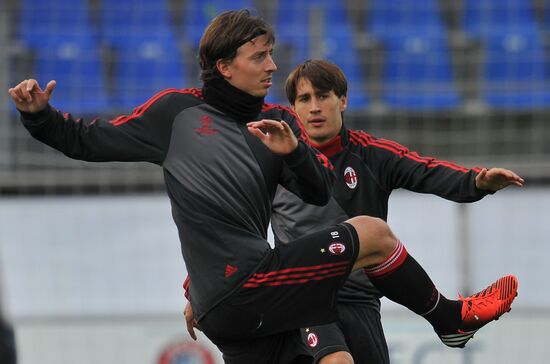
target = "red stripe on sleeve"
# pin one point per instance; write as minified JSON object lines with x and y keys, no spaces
{"x":396,"y":148}
{"x":138,"y":111}
{"x":303,"y":134}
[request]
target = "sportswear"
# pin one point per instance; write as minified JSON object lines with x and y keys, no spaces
{"x":220,"y":179}
{"x":481,"y":308}
{"x":367,"y":171}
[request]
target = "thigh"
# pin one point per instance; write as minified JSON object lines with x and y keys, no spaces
{"x":322,"y":340}
{"x":295,"y":286}
{"x":298,"y":286}
{"x":364,"y":333}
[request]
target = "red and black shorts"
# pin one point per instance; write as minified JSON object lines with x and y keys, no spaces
{"x":295,"y":286}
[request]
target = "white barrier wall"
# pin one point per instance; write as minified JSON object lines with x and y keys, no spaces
{"x":98,"y":279}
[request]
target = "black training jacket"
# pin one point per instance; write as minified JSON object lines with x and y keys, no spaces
{"x":221,"y":179}
{"x":367,"y":171}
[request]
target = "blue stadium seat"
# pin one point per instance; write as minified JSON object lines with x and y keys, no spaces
{"x":339,"y":48}
{"x":131,"y":21}
{"x":334,"y":42}
{"x":78,"y":71}
{"x":54,"y":21}
{"x":418,"y":73}
{"x":198,"y":13}
{"x":147,"y":53}
{"x":144,"y":68}
{"x":515,"y":71}
{"x":65,"y":49}
{"x":400,"y":17}
{"x":482,"y":18}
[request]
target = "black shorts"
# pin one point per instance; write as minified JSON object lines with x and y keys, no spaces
{"x":282,"y":348}
{"x":295,"y":286}
{"x":322,"y":340}
{"x":357,"y":331}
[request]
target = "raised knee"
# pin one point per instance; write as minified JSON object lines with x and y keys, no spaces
{"x":374,"y":229}
{"x":340,"y":357}
{"x":375,"y":237}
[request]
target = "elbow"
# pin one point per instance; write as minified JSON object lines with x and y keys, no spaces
{"x":320,"y":199}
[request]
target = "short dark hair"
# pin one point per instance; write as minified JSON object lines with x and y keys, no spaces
{"x":323,"y":75}
{"x":223,"y":37}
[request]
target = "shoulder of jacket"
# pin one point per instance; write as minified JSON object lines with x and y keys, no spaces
{"x":360,"y":139}
{"x":279,"y":111}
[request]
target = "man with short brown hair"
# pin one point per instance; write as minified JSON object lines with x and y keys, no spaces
{"x":367,"y":171}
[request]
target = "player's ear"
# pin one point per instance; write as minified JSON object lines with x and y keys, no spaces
{"x":343,"y":103}
{"x":223,"y":67}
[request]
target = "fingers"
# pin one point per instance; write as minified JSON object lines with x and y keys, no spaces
{"x":509,"y":176}
{"x":16,"y":94}
{"x":49,"y":88}
{"x":191,"y":330}
{"x":24,"y":91}
{"x":515,"y":179}
{"x":267,"y":124}
{"x":285,"y":125}
{"x":482,"y":174}
{"x":28,"y":87}
{"x":190,"y":321}
{"x":257,"y":132}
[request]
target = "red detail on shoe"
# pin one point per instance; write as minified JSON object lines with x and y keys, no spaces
{"x":489,"y":304}
{"x":230,"y":270}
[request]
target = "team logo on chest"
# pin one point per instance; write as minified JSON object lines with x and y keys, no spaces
{"x":206,"y":126}
{"x":350,"y":177}
{"x":336,"y":248}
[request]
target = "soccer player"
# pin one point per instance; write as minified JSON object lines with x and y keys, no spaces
{"x":367,"y":171}
{"x":223,"y":153}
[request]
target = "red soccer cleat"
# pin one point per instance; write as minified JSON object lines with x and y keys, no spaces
{"x":482,"y":308}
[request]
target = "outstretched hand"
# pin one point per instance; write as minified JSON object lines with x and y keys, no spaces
{"x":495,"y":179}
{"x":29,"y":97}
{"x":277,"y":136}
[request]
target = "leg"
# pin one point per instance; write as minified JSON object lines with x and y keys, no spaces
{"x":326,"y":344}
{"x":340,"y":357}
{"x":364,"y":333}
{"x":400,"y":278}
{"x":285,"y":347}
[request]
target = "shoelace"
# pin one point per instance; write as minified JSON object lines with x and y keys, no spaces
{"x":474,"y":302}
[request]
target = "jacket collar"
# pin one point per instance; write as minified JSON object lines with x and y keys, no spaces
{"x":334,"y":145}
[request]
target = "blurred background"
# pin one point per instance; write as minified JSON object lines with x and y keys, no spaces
{"x":90,"y":265}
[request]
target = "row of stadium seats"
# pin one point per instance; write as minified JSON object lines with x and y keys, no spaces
{"x":417,"y":70}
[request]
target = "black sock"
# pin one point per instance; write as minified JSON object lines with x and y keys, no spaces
{"x":401,"y":279}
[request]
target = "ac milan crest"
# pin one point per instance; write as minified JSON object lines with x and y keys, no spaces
{"x":350,"y":177}
{"x":336,"y":248}
{"x":312,"y":340}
